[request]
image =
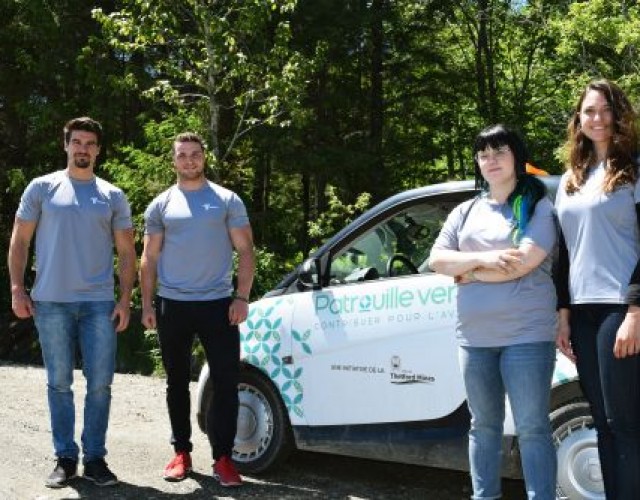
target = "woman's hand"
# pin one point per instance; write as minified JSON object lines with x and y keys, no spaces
{"x":505,"y":260}
{"x":466,"y":278}
{"x":563,"y":335}
{"x":628,"y":336}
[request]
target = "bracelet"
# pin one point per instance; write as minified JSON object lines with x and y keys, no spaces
{"x":241,"y":298}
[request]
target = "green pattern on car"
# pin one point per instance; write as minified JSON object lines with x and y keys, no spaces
{"x":261,"y":341}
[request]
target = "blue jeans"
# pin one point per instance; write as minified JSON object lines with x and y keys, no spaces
{"x":62,"y":328}
{"x":524,"y":372}
{"x":612,"y":387}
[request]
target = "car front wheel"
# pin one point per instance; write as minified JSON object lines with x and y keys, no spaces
{"x":263,"y":438}
{"x":579,"y":474}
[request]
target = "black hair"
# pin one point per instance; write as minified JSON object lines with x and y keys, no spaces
{"x":85,"y":124}
{"x":529,"y":189}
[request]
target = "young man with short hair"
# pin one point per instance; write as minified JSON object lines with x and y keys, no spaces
{"x":77,"y":218}
{"x":191,"y":232}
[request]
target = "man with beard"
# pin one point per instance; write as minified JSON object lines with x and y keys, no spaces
{"x":191,"y":231}
{"x":76,"y":218}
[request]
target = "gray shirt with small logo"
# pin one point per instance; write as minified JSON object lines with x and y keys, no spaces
{"x":74,"y":235}
{"x":196,"y":259}
{"x":601,"y":233}
{"x":511,"y":312}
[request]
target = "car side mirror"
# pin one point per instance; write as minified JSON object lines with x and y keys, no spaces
{"x":309,"y":274}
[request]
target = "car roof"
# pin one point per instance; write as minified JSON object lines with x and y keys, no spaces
{"x":402,"y":198}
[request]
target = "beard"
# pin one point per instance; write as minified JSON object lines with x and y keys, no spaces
{"x":82,"y":162}
{"x":193,"y":175}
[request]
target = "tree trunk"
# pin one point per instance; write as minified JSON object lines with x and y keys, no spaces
{"x":214,"y":106}
{"x":491,"y":79}
{"x":377,"y":101}
{"x":260,"y":196}
{"x":483,"y":106}
{"x":306,"y":211}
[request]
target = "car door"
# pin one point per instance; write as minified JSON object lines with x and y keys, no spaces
{"x":378,"y":342}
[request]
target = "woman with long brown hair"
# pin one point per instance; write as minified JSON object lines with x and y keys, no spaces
{"x":598,"y":206}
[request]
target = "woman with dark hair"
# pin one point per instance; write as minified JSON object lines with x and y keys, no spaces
{"x":598,"y":205}
{"x":497,"y":246}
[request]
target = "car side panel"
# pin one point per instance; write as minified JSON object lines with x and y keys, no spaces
{"x":378,"y":351}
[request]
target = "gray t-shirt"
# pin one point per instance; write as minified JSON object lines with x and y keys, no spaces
{"x":512,"y":312}
{"x":601,"y":232}
{"x":197,"y":254}
{"x":74,"y":235}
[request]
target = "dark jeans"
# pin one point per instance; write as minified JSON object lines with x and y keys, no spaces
{"x":178,"y":323}
{"x":612,"y":387}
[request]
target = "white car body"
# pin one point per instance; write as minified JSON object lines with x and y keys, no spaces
{"x":346,"y":357}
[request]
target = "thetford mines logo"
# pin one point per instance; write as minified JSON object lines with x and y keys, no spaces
{"x":403,"y":377}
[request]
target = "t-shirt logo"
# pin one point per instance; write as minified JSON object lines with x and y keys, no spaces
{"x":97,"y":201}
{"x":208,"y":206}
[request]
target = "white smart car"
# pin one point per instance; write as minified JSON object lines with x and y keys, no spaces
{"x":355,"y":354}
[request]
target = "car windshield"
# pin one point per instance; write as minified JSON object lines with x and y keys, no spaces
{"x":398,"y":245}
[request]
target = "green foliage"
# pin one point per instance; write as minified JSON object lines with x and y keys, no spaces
{"x":138,"y":350}
{"x":603,"y":36}
{"x":597,"y":39}
{"x":337,"y":215}
{"x":306,"y":106}
{"x":205,"y":56}
{"x":270,"y":269}
{"x":16,"y":180}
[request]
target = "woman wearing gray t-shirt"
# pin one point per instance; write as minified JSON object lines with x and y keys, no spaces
{"x":498,"y":246}
{"x":599,"y":280}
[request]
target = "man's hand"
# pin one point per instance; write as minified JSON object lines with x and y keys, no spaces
{"x":17,"y":260}
{"x":120,"y":316}
{"x":21,"y":303}
{"x":238,"y":311}
{"x":149,"y":317}
{"x":628,"y":336}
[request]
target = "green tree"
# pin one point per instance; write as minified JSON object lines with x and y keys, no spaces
{"x":228,"y":61}
{"x":600,"y":38}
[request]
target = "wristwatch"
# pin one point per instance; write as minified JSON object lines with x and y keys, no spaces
{"x":241,"y":298}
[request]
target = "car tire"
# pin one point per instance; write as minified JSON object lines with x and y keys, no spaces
{"x":264,"y":438}
{"x":579,"y":474}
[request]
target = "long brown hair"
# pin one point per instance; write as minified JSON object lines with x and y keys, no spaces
{"x":623,"y":146}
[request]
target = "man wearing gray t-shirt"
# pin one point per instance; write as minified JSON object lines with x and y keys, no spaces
{"x":76,"y":218}
{"x":191,"y":232}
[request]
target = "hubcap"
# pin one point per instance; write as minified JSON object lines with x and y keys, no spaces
{"x":255,"y":424}
{"x":579,"y":474}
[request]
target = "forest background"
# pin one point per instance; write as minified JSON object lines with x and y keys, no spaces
{"x":313,"y":110}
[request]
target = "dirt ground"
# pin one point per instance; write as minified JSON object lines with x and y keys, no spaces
{"x":138,"y":449}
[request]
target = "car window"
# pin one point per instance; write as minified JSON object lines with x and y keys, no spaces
{"x":398,"y":245}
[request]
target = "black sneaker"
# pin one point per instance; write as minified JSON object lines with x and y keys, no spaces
{"x":64,"y":470}
{"x":98,"y":472}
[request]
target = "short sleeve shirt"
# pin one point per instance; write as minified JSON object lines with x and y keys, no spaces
{"x":601,"y":233}
{"x":74,"y":235}
{"x":196,"y":259}
{"x":512,"y":312}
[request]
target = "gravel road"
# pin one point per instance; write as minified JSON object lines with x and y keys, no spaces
{"x":138,"y":445}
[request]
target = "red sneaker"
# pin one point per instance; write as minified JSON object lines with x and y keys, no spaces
{"x":178,"y":468}
{"x":225,"y":472}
